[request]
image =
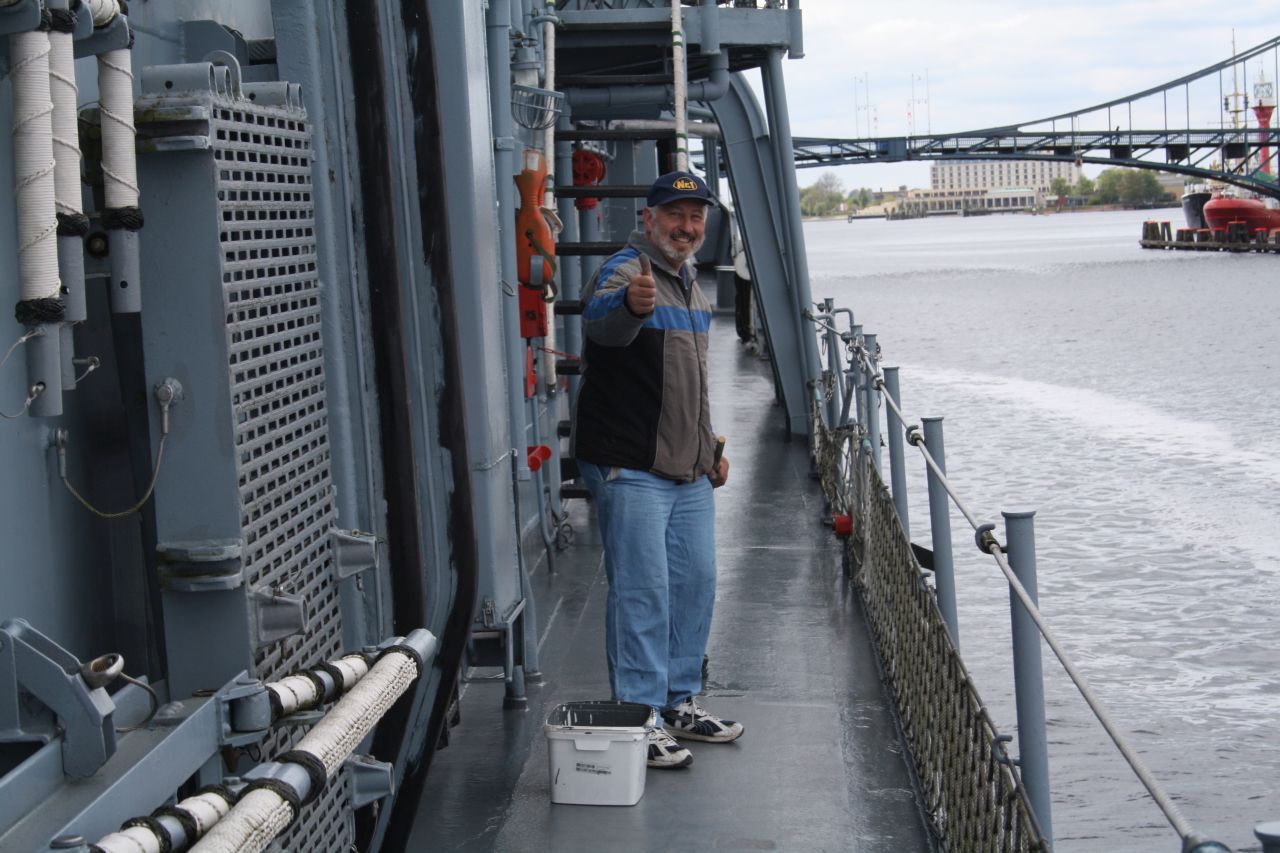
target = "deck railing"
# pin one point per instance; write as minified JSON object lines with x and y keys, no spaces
{"x":976,"y":797}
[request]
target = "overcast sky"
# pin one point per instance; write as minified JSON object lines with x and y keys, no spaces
{"x":992,"y":62}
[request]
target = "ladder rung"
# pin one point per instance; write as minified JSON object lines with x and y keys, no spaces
{"x":603,"y":191}
{"x":588,"y":249}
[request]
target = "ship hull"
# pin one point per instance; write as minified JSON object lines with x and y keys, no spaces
{"x":1221,"y":211}
{"x":1193,"y":208}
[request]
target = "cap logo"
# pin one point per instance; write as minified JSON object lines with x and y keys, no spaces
{"x":684,"y":184}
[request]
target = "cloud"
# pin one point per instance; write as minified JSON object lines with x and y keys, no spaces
{"x":993,"y":62}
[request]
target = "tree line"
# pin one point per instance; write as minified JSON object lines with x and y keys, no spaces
{"x":828,"y":197}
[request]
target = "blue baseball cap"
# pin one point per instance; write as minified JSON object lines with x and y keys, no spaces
{"x":674,"y":186}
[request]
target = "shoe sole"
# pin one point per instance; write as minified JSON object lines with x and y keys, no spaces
{"x":663,"y":765}
{"x":683,"y":735}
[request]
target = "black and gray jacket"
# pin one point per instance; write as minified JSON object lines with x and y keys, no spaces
{"x":643,"y":400}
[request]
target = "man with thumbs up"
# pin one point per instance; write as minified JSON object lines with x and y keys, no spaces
{"x":645,"y":448}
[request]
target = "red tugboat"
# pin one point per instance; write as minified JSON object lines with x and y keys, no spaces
{"x":1221,"y":210}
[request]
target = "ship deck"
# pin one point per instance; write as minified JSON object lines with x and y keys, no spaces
{"x":820,"y":766}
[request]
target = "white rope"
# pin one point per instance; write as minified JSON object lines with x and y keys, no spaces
{"x":33,"y":165}
{"x":335,"y":736}
{"x":103,"y":11}
{"x":135,"y":839}
{"x":295,"y":692}
{"x":353,"y":668}
{"x":66,"y":134}
{"x":258,"y":817}
{"x":206,"y":810}
{"x":261,"y":814}
{"x":119,"y":161}
{"x":298,"y":692}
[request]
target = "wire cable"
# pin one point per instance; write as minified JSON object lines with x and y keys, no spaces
{"x":989,"y":544}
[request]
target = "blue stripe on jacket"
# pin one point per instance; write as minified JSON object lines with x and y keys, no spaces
{"x":678,"y":318}
{"x":601,"y":304}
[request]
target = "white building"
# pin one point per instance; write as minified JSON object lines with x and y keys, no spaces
{"x":959,"y":186}
{"x":1035,"y":175}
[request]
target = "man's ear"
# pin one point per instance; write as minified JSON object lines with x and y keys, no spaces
{"x":646,"y":218}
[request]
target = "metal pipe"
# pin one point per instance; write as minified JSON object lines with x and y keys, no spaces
{"x":498,"y":21}
{"x":940,"y":524}
{"x":856,"y":375}
{"x":711,"y":89}
{"x":1028,"y":677}
{"x":1269,"y":835}
{"x":783,"y":147}
{"x":897,"y":454}
{"x":680,"y":81}
{"x":709,"y":19}
{"x":834,"y":370}
{"x":873,"y":401}
{"x":121,"y":215}
{"x":261,"y":812}
{"x":40,"y":306}
{"x":570,"y":267}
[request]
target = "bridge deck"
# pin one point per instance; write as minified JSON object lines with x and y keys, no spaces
{"x":820,"y":766}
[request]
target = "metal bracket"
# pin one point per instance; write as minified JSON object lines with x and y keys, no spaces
{"x":985,"y":539}
{"x":215,"y":564}
{"x":21,"y":17}
{"x":353,"y":552}
{"x":113,"y":36}
{"x":31,"y":664}
{"x":277,"y":615}
{"x":371,"y":779}
{"x":245,"y":711}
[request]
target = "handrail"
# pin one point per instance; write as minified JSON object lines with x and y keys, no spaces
{"x":985,"y":540}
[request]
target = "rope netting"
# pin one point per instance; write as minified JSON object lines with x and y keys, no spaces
{"x":972,"y":795}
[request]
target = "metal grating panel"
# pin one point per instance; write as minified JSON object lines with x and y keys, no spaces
{"x":276,"y":361}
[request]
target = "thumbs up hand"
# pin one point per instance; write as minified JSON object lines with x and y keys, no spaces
{"x":642,"y":292}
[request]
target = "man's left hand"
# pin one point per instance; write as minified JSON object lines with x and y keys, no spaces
{"x":720,"y":474}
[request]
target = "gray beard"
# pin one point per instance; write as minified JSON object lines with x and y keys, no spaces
{"x":678,"y":253}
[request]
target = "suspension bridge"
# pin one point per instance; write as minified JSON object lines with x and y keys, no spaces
{"x":1152,"y":129}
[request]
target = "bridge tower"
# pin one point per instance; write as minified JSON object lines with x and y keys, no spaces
{"x":1264,"y":102}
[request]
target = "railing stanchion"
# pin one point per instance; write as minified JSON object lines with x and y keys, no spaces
{"x":897,"y":459}
{"x":833,"y":367}
{"x":1269,"y":835}
{"x":944,"y":572}
{"x":858,"y":383}
{"x":1033,"y":750}
{"x":873,"y":401}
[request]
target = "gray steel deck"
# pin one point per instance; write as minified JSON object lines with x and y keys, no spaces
{"x":820,"y":766}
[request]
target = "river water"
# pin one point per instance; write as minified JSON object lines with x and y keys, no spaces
{"x":1131,"y":398}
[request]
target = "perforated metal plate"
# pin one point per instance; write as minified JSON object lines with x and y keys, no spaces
{"x":276,"y":357}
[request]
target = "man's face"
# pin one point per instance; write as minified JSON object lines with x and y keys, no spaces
{"x":676,"y":228}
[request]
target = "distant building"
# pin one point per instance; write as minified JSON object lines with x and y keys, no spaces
{"x":960,"y":185}
{"x":959,"y":175}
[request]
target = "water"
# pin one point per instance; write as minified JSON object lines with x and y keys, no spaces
{"x":1130,"y":397}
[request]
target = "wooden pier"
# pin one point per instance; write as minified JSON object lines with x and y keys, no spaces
{"x":1236,"y":237}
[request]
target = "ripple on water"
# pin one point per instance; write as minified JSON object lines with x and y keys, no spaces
{"x":1066,"y":363}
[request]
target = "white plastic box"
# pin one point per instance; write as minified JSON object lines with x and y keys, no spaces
{"x":598,"y":752}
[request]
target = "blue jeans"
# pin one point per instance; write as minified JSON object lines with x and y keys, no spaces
{"x":659,"y":556}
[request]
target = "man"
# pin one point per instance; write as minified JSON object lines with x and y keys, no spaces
{"x":643,"y":440}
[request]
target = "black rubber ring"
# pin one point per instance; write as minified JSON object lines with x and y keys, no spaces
{"x":339,"y":680}
{"x":408,"y":652}
{"x":189,"y":825}
{"x":310,"y":763}
{"x":156,"y":828}
{"x":282,"y":789}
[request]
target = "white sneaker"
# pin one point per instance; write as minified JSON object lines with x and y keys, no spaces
{"x":690,"y":722}
{"x":665,"y":753}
